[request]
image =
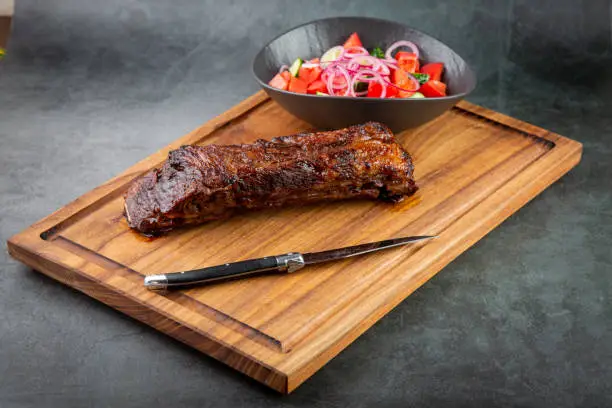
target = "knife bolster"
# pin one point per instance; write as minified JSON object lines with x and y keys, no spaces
{"x":291,"y":262}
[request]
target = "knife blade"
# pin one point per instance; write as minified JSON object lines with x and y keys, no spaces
{"x":285,"y":263}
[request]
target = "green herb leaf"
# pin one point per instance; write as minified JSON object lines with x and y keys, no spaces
{"x":377,"y":52}
{"x":422,"y":78}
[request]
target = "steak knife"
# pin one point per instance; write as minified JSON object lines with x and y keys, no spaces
{"x":286,"y":263}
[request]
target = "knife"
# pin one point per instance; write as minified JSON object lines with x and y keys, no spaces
{"x":286,"y":263}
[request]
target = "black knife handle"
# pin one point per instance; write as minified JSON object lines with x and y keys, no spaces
{"x":285,"y":263}
{"x":223,"y":272}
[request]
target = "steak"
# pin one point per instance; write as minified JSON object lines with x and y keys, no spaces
{"x":203,"y":183}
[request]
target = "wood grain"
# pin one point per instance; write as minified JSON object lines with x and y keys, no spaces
{"x":5,"y":30}
{"x":474,"y":168}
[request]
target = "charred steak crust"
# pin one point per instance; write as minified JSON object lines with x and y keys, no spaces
{"x":203,"y":183}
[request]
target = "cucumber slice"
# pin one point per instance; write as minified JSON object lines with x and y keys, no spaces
{"x":361,"y":86}
{"x":417,"y":95}
{"x":331,"y":55}
{"x":321,"y":93}
{"x":294,"y":69}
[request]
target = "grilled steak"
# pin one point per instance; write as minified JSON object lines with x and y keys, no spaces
{"x":203,"y":183}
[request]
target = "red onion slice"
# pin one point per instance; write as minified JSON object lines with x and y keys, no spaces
{"x":374,"y":77}
{"x":366,"y":60}
{"x":353,"y":66}
{"x":397,"y":44}
{"x":373,"y":74}
{"x":335,"y":69}
{"x":283,"y":68}
{"x":331,"y":88}
{"x":391,"y":64}
{"x":383,"y":70}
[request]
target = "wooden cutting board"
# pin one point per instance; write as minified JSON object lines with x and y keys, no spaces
{"x":474,"y":167}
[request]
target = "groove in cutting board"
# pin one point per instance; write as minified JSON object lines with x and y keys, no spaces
{"x":179,"y":297}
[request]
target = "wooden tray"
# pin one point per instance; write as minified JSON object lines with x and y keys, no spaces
{"x":474,"y":167}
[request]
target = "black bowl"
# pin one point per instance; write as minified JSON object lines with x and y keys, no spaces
{"x":312,"y":39}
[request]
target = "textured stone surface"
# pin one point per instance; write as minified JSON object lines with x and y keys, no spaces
{"x":522,"y":319}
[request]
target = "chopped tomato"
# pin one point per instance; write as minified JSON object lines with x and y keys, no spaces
{"x":317,"y":86}
{"x":404,"y":94}
{"x":298,"y":85}
{"x":407,"y":61}
{"x":402,"y":80}
{"x":280,"y":81}
{"x":433,"y":89}
{"x":434,"y":70}
{"x":375,"y":89}
{"x":392,"y":92}
{"x":353,"y":41}
{"x":411,"y":66}
{"x":310,"y":74}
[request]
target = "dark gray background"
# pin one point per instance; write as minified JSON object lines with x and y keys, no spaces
{"x":522,"y":319}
